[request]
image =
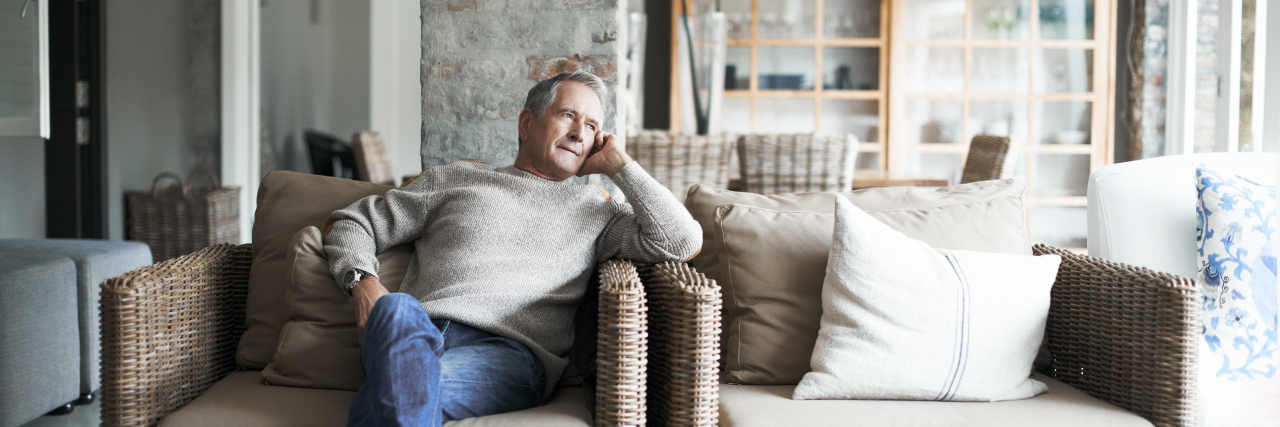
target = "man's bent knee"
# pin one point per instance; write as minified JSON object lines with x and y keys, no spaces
{"x":397,"y":314}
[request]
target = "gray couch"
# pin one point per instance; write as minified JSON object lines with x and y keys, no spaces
{"x":39,"y":343}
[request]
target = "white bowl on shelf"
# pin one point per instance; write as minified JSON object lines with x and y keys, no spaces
{"x":1073,"y":136}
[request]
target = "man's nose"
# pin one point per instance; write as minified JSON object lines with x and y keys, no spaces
{"x":575,"y":131}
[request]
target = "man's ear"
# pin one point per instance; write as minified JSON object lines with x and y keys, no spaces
{"x":526,"y":118}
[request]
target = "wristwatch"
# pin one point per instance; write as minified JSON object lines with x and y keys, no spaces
{"x":353,"y":277}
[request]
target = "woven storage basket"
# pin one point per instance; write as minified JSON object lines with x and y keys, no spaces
{"x":679,"y":161}
{"x":180,"y":219}
{"x":774,"y":164}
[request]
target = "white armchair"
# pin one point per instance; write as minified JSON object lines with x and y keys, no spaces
{"x":1144,"y":213}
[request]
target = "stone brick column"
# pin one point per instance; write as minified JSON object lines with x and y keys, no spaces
{"x":481,"y":57}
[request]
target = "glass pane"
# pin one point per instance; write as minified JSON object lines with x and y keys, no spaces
{"x":736,"y":115}
{"x":737,"y":67}
{"x":737,"y":17}
{"x":1064,"y":70}
{"x":858,"y":117}
{"x":1063,"y":122}
{"x":935,"y":69}
{"x":1059,"y":226}
{"x":1000,"y":19}
{"x":851,"y":19}
{"x":848,"y":68}
{"x":786,"y":67}
{"x":868,"y":160}
{"x":784,"y":115}
{"x":935,"y":19}
{"x":1061,"y":174}
{"x":791,"y":19}
{"x":934,"y":121}
{"x":1000,"y":118}
{"x":1066,"y":19}
{"x":18,"y":44}
{"x":942,"y":165}
{"x":1000,"y":70}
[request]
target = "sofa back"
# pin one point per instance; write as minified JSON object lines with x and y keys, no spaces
{"x":1144,"y":212}
{"x":287,"y":202}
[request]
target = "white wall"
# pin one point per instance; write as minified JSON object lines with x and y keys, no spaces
{"x":395,"y":90}
{"x":22,"y":188}
{"x":315,"y":75}
{"x":147,"y":90}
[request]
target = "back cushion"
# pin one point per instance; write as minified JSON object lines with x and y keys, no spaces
{"x":287,"y":202}
{"x":319,"y":346}
{"x":769,"y":253}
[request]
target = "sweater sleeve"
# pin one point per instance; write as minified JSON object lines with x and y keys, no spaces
{"x":374,"y":224}
{"x":652,"y":227}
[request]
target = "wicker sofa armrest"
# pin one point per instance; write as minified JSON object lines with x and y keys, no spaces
{"x":169,"y":331}
{"x":622,"y":346}
{"x":1126,"y":335}
{"x":684,"y":345}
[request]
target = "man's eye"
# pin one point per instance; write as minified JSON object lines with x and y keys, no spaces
{"x":592,"y":127}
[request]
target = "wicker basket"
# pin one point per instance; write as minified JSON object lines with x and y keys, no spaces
{"x":679,"y":161}
{"x":180,"y":219}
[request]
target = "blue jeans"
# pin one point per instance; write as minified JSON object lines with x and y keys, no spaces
{"x":420,"y":372}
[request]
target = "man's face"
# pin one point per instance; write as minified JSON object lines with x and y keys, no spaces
{"x":558,"y":142}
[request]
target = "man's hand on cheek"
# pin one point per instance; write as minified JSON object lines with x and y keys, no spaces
{"x":605,"y":156}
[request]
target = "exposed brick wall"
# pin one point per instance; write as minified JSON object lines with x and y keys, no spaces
{"x":480,"y":57}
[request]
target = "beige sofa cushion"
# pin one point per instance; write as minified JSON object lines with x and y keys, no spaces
{"x":241,"y":400}
{"x":287,"y":202}
{"x":318,"y":346}
{"x":912,"y":210}
{"x":771,"y":258}
{"x":750,"y":406}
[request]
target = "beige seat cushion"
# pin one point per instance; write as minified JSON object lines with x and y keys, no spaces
{"x":748,"y":406}
{"x":242,"y":400}
{"x":287,"y":202}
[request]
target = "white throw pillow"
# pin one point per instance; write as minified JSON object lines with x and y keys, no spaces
{"x":902,"y":320}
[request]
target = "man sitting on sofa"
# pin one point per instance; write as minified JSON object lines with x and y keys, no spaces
{"x":503,"y":255}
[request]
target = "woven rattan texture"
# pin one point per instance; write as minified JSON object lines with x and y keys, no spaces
{"x":680,"y":161}
{"x":371,"y":157}
{"x":622,"y":348}
{"x":1126,"y":335}
{"x":772,"y":164}
{"x":985,"y":160}
{"x":169,"y":331}
{"x":176,"y":223}
{"x":684,"y":361}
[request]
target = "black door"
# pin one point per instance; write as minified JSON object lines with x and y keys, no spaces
{"x":76,"y":151}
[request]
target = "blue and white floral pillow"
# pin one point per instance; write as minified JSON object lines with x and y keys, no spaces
{"x":1236,"y":232}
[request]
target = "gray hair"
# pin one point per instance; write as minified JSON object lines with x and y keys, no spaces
{"x":544,"y":93}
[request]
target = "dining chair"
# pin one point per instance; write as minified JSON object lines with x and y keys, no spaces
{"x":986,"y":158}
{"x":789,"y":163}
{"x":371,"y":157}
{"x":680,"y":161}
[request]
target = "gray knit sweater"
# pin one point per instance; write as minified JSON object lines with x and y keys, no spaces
{"x":510,"y":253}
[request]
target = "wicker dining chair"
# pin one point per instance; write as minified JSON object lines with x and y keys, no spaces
{"x":680,"y":161}
{"x":986,"y":158}
{"x":170,"y":331}
{"x":792,"y":163}
{"x":371,"y":157}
